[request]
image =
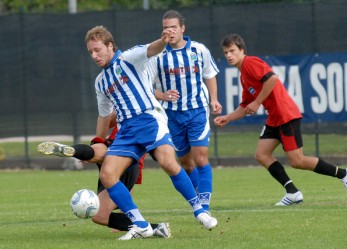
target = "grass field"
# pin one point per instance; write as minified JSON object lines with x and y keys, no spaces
{"x":35,"y":212}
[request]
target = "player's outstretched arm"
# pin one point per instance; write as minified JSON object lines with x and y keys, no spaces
{"x":235,"y":115}
{"x":157,"y":46}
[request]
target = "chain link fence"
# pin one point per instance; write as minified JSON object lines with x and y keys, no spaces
{"x":46,"y":74}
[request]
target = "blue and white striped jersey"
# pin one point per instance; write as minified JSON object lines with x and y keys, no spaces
{"x":125,"y":86}
{"x":184,"y":70}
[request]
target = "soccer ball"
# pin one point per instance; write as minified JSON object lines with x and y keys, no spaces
{"x":85,"y":203}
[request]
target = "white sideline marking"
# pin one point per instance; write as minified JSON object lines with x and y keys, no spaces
{"x":274,"y":209}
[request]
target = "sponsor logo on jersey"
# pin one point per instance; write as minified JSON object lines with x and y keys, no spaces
{"x":112,"y":88}
{"x":182,"y":70}
{"x":124,"y":79}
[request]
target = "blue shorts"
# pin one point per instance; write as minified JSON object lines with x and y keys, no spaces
{"x":139,"y":135}
{"x":189,"y":128}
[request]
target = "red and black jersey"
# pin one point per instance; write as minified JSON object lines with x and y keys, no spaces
{"x":279,"y":105}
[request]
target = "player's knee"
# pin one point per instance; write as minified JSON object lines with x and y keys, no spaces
{"x":296,"y":159}
{"x":107,"y":179}
{"x":171,"y":167}
{"x":103,"y":176}
{"x":201,"y":160}
{"x":296,"y":163}
{"x":199,"y":155}
{"x":260,"y":157}
{"x":164,"y":154}
{"x":188,"y":168}
{"x":187,"y":163}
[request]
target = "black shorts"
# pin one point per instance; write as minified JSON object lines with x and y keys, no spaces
{"x":128,"y":178}
{"x":289,"y":134}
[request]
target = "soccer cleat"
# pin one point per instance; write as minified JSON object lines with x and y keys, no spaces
{"x":207,"y":220}
{"x":52,"y":148}
{"x":290,"y":199}
{"x":162,"y":230}
{"x":136,"y":232}
{"x":344,"y":181}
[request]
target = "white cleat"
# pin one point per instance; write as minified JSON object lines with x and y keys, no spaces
{"x":136,"y":232}
{"x":290,"y":199}
{"x":52,"y":148}
{"x":207,"y":220}
{"x":162,"y":230}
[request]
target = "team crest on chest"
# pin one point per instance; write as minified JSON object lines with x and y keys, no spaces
{"x":118,"y":70}
{"x":251,"y":90}
{"x":122,"y":78}
{"x":193,"y":56}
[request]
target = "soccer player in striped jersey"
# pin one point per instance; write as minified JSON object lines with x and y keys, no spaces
{"x":123,"y":85}
{"x":262,"y":87}
{"x":95,"y":153}
{"x":185,"y":77}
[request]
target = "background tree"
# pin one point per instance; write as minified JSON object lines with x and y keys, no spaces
{"x":60,"y":6}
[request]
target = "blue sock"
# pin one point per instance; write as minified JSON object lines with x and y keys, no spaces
{"x":194,"y":177}
{"x":205,"y":185}
{"x":120,"y":195}
{"x":183,"y":185}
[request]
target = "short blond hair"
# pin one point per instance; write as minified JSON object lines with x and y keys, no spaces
{"x":100,"y":33}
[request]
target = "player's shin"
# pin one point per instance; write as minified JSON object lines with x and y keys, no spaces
{"x":194,"y":177}
{"x":120,"y":195}
{"x":205,"y":185}
{"x":183,"y":185}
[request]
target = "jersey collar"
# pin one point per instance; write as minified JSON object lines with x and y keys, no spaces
{"x":116,"y":55}
{"x":114,"y":58}
{"x":187,"y":46}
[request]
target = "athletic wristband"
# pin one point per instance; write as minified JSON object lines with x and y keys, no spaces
{"x":108,"y":142}
{"x":97,"y":140}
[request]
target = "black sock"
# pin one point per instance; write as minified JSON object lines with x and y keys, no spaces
{"x":328,"y":169}
{"x":341,"y":173}
{"x":277,"y":171}
{"x":121,"y":222}
{"x":83,"y":152}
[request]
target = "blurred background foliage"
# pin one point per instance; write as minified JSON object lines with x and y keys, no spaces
{"x":61,"y":6}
